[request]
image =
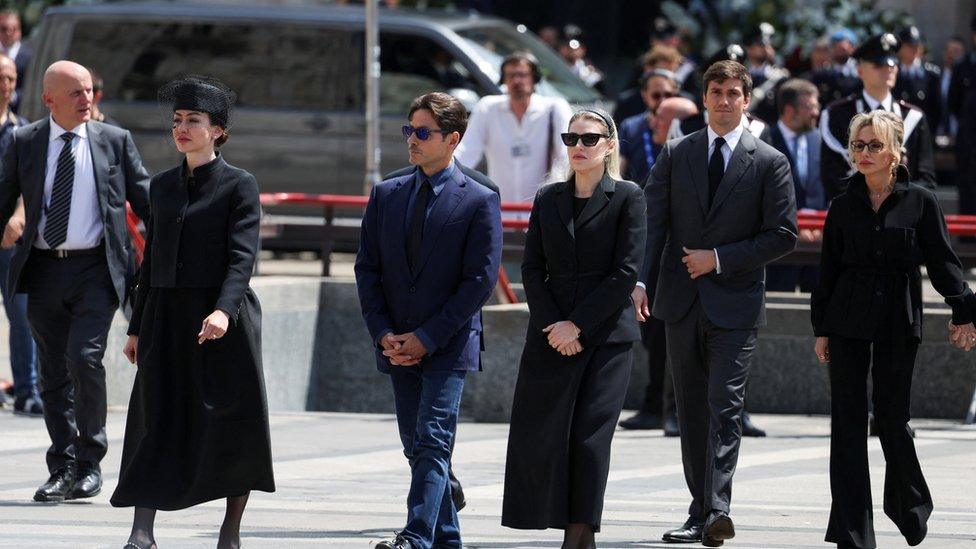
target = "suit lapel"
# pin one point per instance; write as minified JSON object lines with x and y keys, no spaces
{"x":698,"y":162}
{"x":564,"y":204}
{"x":38,"y":156}
{"x":396,"y":222}
{"x":454,"y":190}
{"x":597,"y":202}
{"x":738,"y":164}
{"x":99,"y":155}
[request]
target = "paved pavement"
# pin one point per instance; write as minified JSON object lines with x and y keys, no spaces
{"x":342,"y":482}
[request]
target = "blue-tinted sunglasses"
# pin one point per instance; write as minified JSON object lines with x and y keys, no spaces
{"x":423,"y":133}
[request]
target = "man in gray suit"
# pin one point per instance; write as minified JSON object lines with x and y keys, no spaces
{"x":720,"y":206}
{"x":75,"y":176}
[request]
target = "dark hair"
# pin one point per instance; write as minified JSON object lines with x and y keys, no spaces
{"x":222,"y":139}
{"x":956,"y":38}
{"x":447,"y":111}
{"x":724,"y":70}
{"x":662,"y":73}
{"x":791,"y":91}
{"x":98,"y":83}
{"x":520,"y":57}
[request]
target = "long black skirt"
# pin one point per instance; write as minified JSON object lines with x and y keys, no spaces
{"x":197,"y":428}
{"x":563,"y":418}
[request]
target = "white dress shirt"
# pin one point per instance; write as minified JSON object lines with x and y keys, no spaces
{"x":13,"y":51}
{"x":731,"y":140}
{"x":873,"y":103}
{"x":515,"y":150}
{"x":85,"y":221}
{"x":798,"y":150}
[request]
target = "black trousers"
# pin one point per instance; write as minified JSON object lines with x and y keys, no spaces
{"x":710,"y":366}
{"x":659,"y":398}
{"x":70,"y":306}
{"x":564,"y":414}
{"x":906,"y":496}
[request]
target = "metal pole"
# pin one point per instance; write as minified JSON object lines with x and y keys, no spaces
{"x":372,"y":96}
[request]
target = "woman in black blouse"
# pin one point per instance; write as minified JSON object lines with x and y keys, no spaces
{"x":197,"y":428}
{"x":584,"y":246}
{"x":867,"y":314}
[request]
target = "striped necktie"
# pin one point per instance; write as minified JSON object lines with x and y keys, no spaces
{"x":59,"y":208}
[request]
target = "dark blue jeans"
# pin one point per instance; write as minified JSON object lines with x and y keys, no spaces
{"x":427,"y":405}
{"x":23,"y":352}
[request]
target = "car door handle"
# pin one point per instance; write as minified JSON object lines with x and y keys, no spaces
{"x":317,"y":123}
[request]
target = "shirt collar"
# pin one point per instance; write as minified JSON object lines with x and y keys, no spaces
{"x":786,"y":131}
{"x":81,"y":130}
{"x":437,"y":180}
{"x":872,"y":103}
{"x":731,"y":138}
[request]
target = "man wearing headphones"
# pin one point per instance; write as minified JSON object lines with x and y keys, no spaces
{"x":518,"y":133}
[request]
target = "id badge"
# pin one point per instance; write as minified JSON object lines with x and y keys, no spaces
{"x":520,"y":149}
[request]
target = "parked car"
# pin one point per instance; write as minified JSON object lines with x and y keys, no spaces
{"x":299,"y":122}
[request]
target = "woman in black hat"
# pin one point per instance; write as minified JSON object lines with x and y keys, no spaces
{"x":197,"y":428}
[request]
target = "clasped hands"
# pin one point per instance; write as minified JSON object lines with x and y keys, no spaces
{"x":962,"y":336}
{"x":564,"y":337}
{"x":403,"y":349}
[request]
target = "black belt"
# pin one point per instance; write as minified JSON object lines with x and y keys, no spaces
{"x":63,"y":254}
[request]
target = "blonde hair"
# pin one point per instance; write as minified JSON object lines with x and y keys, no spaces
{"x":887,"y":126}
{"x":611,"y":162}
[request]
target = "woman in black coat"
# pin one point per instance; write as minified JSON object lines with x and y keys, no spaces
{"x":583,"y":249}
{"x":197,"y":428}
{"x":867,"y":315}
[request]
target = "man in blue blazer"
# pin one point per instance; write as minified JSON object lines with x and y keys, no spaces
{"x":429,"y":252}
{"x":796,"y":135}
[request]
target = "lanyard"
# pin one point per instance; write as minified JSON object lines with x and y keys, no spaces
{"x":648,"y":151}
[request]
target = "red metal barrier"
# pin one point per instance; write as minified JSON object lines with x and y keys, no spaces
{"x":959,"y":225}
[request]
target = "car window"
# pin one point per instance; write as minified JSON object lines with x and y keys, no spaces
{"x":411,"y":66}
{"x":268,"y":66}
{"x":494,"y":43}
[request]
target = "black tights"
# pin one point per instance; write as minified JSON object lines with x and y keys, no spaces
{"x":578,"y":536}
{"x":230,"y":530}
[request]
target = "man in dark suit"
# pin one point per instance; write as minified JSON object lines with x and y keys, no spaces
{"x":877,"y":67}
{"x":720,"y":206}
{"x":918,"y":82}
{"x":422,"y":307}
{"x":13,"y":47}
{"x":457,"y":491}
{"x":795,"y":134}
{"x":75,"y":176}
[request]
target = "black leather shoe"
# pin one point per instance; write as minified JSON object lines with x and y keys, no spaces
{"x":28,"y":406}
{"x":749,"y":428}
{"x":642,"y":421}
{"x":398,"y":542}
{"x":690,"y":532}
{"x":457,"y":493}
{"x":87,"y":485}
{"x":718,"y":528}
{"x":57,"y":487}
{"x":671,"y":428}
{"x":918,"y":537}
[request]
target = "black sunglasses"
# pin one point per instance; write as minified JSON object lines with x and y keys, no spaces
{"x":588,"y":139}
{"x":872,"y":146}
{"x":423,"y":133}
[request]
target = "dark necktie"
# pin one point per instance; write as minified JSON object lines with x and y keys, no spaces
{"x":59,"y":208}
{"x":417,"y":218}
{"x":716,"y":169}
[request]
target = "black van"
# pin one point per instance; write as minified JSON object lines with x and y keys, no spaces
{"x":299,"y":124}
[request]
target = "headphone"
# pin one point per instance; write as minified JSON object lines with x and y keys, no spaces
{"x":520,"y":56}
